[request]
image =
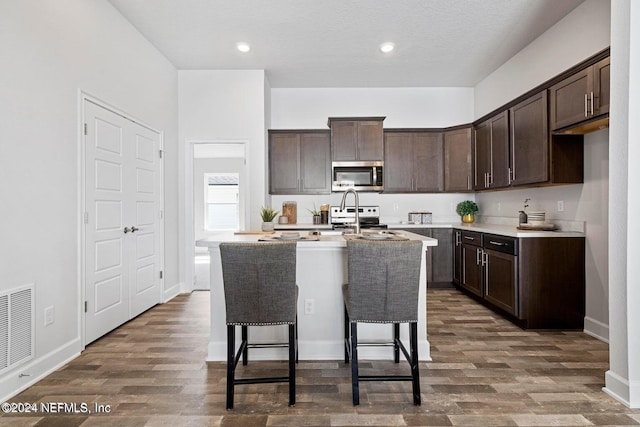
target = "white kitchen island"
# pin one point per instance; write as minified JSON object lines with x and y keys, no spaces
{"x":321,"y":270}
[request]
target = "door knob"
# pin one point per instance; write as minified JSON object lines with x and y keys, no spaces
{"x":134,"y":229}
{"x":126,"y":230}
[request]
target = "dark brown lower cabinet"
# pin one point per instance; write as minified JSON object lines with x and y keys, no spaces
{"x":537,"y":282}
{"x":471,"y":257}
{"x":439,"y":262}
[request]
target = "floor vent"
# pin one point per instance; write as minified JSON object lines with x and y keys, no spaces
{"x":16,"y":327}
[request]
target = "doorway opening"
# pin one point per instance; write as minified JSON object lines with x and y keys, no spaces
{"x":219,"y":199}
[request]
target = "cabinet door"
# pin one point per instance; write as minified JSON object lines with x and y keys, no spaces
{"x":398,"y":161}
{"x":457,"y":257}
{"x":570,"y":99}
{"x":472,"y":268}
{"x":529,"y":141}
{"x":428,"y":162}
{"x":315,"y":163}
{"x":482,"y":155}
{"x":284,"y":163}
{"x":370,"y":140}
{"x":601,"y":87}
{"x":457,"y":160}
{"x":442,"y":262}
{"x":499,"y":172}
{"x":344,"y":140}
{"x":500,"y":281}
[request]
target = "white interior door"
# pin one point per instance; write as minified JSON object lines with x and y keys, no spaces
{"x":121,"y":230}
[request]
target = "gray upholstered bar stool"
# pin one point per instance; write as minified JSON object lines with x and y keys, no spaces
{"x":259,"y":290}
{"x":384,"y":279}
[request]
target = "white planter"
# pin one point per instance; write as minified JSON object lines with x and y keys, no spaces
{"x":267,"y":226}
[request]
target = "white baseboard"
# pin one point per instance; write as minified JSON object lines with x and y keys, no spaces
{"x":596,"y":329}
{"x":171,"y":292}
{"x":24,"y":376}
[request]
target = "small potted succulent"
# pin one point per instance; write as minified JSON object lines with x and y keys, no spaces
{"x":316,"y":214}
{"x":268,"y":215}
{"x":467,"y":210}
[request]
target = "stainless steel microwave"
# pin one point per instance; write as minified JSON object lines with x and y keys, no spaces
{"x":362,"y":176}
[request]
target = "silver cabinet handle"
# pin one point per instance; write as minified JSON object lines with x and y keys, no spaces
{"x":485,"y":258}
{"x":479,"y":256}
{"x":458,"y":240}
{"x":592,"y":112}
{"x":469,"y":238}
{"x":468,"y":182}
{"x":497,"y":243}
{"x":586,"y":101}
{"x":134,"y":229}
{"x":126,"y":230}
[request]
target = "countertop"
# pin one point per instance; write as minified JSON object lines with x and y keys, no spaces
{"x":327,"y":241}
{"x":500,"y":229}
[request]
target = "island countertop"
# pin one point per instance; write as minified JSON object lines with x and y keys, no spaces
{"x":327,"y":238}
{"x":321,"y":270}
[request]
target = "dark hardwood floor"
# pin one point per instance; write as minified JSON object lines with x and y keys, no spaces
{"x":485,"y":371}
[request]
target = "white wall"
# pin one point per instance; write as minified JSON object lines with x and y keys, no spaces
{"x":49,"y":51}
{"x":623,"y":377}
{"x":579,"y":35}
{"x":562,"y":46}
{"x":402,"y":107}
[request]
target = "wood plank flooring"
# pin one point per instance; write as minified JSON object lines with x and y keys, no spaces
{"x":485,"y":371}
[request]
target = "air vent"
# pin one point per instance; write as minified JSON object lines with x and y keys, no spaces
{"x":16,"y":327}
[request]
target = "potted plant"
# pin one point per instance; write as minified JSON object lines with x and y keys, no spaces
{"x":268,"y":215}
{"x":467,"y":210}
{"x":316,"y":214}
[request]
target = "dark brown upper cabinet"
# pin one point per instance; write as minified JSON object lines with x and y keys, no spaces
{"x":357,"y":139}
{"x":413,"y":162}
{"x":529,"y":141}
{"x":458,"y":172}
{"x":299,"y":162}
{"x":580,"y":103}
{"x":491,"y":152}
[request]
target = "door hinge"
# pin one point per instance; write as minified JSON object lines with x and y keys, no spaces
{"x":160,"y":152}
{"x":161,"y":275}
{"x":86,"y":131}
{"x":86,"y":217}
{"x":86,"y":305}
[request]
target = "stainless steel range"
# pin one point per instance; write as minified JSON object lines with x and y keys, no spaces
{"x":344,"y":218}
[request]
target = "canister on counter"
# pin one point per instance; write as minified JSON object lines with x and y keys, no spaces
{"x":324,"y":214}
{"x":415,"y":217}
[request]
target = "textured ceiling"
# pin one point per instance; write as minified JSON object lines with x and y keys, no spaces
{"x":334,"y":43}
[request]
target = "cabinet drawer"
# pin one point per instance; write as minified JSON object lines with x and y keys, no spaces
{"x":504,"y":244}
{"x":471,"y":238}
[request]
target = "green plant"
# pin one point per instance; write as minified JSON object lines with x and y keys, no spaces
{"x":466,"y":207}
{"x":268,"y":214}
{"x":314,"y":211}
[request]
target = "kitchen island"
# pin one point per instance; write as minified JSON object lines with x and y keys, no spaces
{"x":321,"y":270}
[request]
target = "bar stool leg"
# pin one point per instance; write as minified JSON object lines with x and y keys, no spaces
{"x":292,"y":365}
{"x":231,"y":365}
{"x":396,"y":346}
{"x":245,"y":339}
{"x":415,"y":371}
{"x":346,"y":335}
{"x":355,"y":386}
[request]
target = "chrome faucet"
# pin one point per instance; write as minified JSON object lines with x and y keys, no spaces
{"x":342,"y":206}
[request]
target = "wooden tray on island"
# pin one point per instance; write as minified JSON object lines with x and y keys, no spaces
{"x":537,"y":227}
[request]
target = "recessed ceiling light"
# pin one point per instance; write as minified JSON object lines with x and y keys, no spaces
{"x":243,"y":47}
{"x":387,"y":47}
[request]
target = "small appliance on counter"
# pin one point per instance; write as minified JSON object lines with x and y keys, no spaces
{"x":420,"y":217}
{"x":369,"y":217}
